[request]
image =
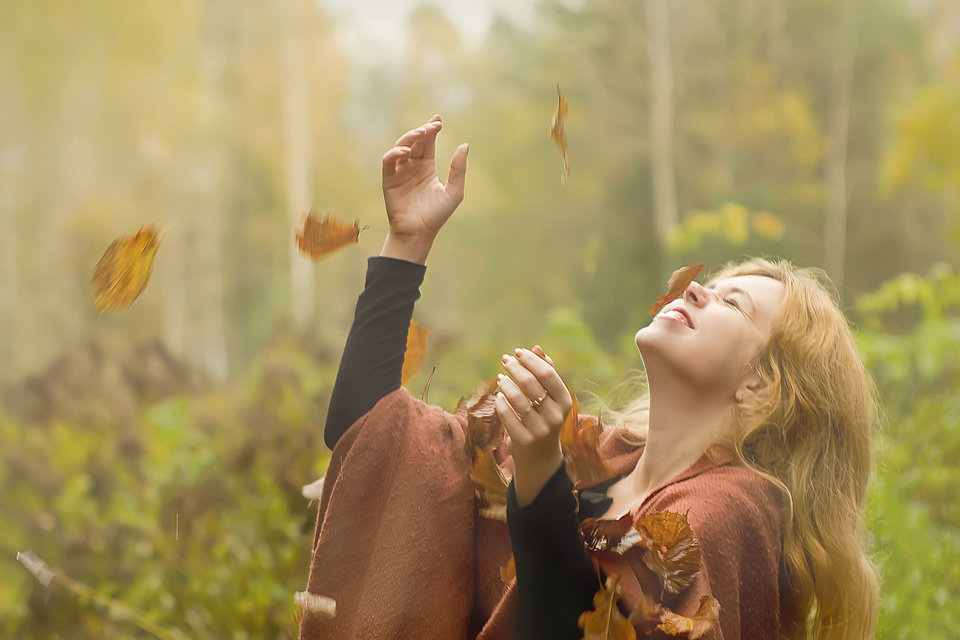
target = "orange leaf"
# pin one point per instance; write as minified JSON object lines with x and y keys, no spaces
{"x":648,"y":614}
{"x":122,"y":273}
{"x":672,"y":551}
{"x":317,"y":238}
{"x":579,"y":440}
{"x":508,"y":571}
{"x":606,"y":622}
{"x":557,"y":134}
{"x":604,"y":535}
{"x":484,"y":429}
{"x":706,"y":617}
{"x":678,"y":283}
{"x":485,"y":388}
{"x":490,"y":484}
{"x":416,"y":351}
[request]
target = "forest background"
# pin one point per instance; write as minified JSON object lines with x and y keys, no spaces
{"x":155,"y":456}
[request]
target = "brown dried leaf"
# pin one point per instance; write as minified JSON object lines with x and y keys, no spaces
{"x":484,"y":429}
{"x":485,"y":388}
{"x":605,"y":622}
{"x":579,"y":440}
{"x":490,"y":483}
{"x":416,"y":351}
{"x":673,"y":553}
{"x":604,"y":535}
{"x":648,"y":614}
{"x":557,"y":134}
{"x":317,"y":238}
{"x":122,"y":273}
{"x":706,"y":617}
{"x":678,"y":283}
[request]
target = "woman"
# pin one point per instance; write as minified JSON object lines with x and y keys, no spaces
{"x":756,"y":425}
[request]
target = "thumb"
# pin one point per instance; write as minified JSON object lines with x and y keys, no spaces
{"x":458,"y":172}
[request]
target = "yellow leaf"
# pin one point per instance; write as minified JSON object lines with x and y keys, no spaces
{"x":122,"y":273}
{"x":317,"y":238}
{"x":557,"y":134}
{"x":416,"y":351}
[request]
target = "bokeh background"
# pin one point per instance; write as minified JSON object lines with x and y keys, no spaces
{"x":154,"y":457}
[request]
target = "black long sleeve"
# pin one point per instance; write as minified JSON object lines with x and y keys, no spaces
{"x":373,"y":355}
{"x":555,"y":579}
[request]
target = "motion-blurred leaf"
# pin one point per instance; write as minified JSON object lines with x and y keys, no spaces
{"x":317,"y":238}
{"x":605,"y":622}
{"x":122,"y":273}
{"x":416,"y":351}
{"x":679,"y":281}
{"x":557,"y":134}
{"x":706,"y":617}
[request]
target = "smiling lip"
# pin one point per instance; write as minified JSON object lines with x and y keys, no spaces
{"x":683,"y":312}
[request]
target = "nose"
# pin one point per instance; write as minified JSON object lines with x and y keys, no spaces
{"x":695,"y":294}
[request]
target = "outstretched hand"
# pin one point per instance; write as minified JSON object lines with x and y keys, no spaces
{"x":417,"y":203}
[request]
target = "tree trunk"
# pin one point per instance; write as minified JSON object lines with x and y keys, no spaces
{"x":297,"y":134}
{"x":838,"y":132}
{"x":661,"y":120}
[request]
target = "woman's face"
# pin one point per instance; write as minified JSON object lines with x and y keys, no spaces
{"x":711,"y":334}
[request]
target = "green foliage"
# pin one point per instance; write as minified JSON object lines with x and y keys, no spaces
{"x":911,"y":329}
{"x":190,"y":513}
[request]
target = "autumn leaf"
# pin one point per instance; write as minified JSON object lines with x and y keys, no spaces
{"x":485,"y":388}
{"x":490,"y":484}
{"x":416,"y":351}
{"x":484,"y":430}
{"x":706,"y":617}
{"x":579,"y":440}
{"x":557,"y":134}
{"x":605,"y":622}
{"x":605,"y":535}
{"x":122,"y":273}
{"x":317,"y":238}
{"x":678,"y":283}
{"x":673,"y":553}
{"x":508,"y":571}
{"x":647,"y":615}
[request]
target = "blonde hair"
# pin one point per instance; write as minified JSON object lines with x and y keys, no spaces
{"x":810,"y":433}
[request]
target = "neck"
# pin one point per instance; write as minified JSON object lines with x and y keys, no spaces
{"x":684,"y":422}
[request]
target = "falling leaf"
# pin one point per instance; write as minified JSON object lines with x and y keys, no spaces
{"x":678,"y":283}
{"x":673,"y":552}
{"x":485,"y":388}
{"x":647,"y":615}
{"x":604,"y":535}
{"x":122,"y":273}
{"x":706,"y":617}
{"x":557,"y":134}
{"x":490,"y":483}
{"x":315,"y":604}
{"x":484,"y":430}
{"x":579,"y":440}
{"x":317,"y":238}
{"x":416,"y":351}
{"x":508,"y":571}
{"x":605,"y":622}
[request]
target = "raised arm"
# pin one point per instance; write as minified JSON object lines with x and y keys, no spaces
{"x":417,"y":206}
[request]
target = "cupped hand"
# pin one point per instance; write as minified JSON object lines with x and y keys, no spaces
{"x":417,"y":203}
{"x":532,"y":404}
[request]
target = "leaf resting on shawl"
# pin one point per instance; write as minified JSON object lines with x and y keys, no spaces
{"x":482,"y":434}
{"x":122,"y":273}
{"x":706,"y":617}
{"x":673,"y":553}
{"x":605,"y":622}
{"x":508,"y":571}
{"x":416,"y":351}
{"x":578,"y":440}
{"x":678,"y":283}
{"x":606,"y":535}
{"x":490,"y":484}
{"x":317,"y":238}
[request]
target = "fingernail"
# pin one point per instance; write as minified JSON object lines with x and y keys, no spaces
{"x":518,"y":351}
{"x":505,"y":358}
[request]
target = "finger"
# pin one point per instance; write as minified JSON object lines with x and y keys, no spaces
{"x":508,"y":418}
{"x":546,"y":375}
{"x":425,"y":143}
{"x":392,"y":158}
{"x":525,"y":379}
{"x":518,"y":400}
{"x":538,"y":350}
{"x":457,"y":177}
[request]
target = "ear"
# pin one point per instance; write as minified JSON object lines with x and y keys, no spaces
{"x":751,"y":389}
